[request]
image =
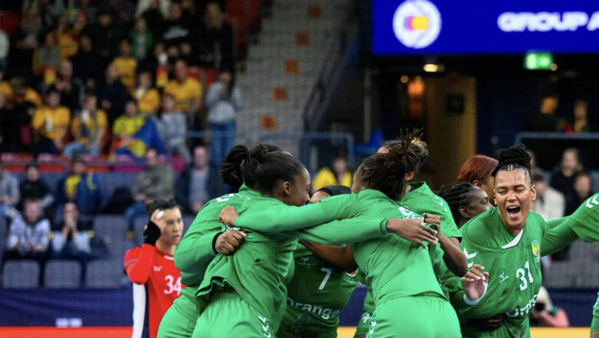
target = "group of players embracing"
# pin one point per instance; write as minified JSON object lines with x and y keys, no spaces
{"x":272,"y":261}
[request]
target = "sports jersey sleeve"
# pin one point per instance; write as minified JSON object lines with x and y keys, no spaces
{"x":287,"y":218}
{"x":195,"y":249}
{"x":138,"y":263}
{"x":595,"y":322}
{"x":558,"y":236}
{"x":349,"y":230}
{"x":585,"y":220}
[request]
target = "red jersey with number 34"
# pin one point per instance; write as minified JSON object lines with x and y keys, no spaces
{"x":157,"y":283}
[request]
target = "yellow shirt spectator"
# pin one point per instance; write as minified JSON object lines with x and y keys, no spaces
{"x":91,"y":125}
{"x":326,"y":177}
{"x":68,"y":45}
{"x":183,"y":93}
{"x":6,"y":90}
{"x":125,"y":67}
{"x":33,"y":97}
{"x":51,"y":122}
{"x":71,"y":184}
{"x":149,"y":102}
{"x":125,"y":125}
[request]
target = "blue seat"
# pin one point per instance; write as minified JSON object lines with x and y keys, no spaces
{"x":21,"y":274}
{"x":374,"y":143}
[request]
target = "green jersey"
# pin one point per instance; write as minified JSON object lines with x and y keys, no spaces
{"x":315,"y":296}
{"x":422,"y":200}
{"x":595,"y":322}
{"x":263,"y":265}
{"x":513,"y":264}
{"x":392,"y":264}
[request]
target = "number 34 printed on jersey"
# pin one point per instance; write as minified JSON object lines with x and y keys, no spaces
{"x":172,"y":285}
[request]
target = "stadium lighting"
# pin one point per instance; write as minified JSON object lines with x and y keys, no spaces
{"x":431,"y":68}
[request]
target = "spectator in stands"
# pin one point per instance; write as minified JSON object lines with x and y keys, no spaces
{"x":34,"y":188}
{"x":67,"y":43}
{"x":156,"y":181}
{"x":4,"y":48}
{"x":111,"y":93}
{"x":550,"y":203}
{"x":71,"y":88}
{"x":545,"y":119}
{"x":24,"y":43}
{"x":72,"y":240}
{"x":581,"y":117}
{"x":28,"y":236}
{"x":563,"y":177}
{"x":80,"y":186}
{"x":50,"y":124}
{"x":224,"y":101}
{"x":215,"y":39}
{"x":154,"y":12}
{"x":337,"y":174}
{"x":544,"y":313}
{"x":533,"y":159}
{"x":186,"y":91}
{"x":199,"y":182}
{"x":88,"y":129}
{"x":121,"y":10}
{"x":9,"y":135}
{"x":86,"y":63}
{"x":142,"y":39}
{"x":583,"y":189}
{"x":125,"y":127}
{"x":9,"y":192}
{"x":105,"y":34}
{"x":5,"y":88}
{"x":145,"y":138}
{"x":161,"y":6}
{"x":173,"y":129}
{"x":126,"y":65}
{"x":175,"y":29}
{"x":49,"y":11}
{"x":47,"y":58}
{"x":148,"y":97}
{"x":151,"y":268}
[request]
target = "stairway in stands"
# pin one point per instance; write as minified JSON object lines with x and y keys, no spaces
{"x":282,"y":69}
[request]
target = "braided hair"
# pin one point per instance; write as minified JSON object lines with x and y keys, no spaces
{"x":457,"y":195}
{"x":260,"y":167}
{"x":386,"y":172}
{"x":417,"y":145}
{"x":512,"y":158}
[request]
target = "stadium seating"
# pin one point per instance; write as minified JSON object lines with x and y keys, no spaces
{"x":62,"y":274}
{"x":21,"y":274}
{"x":104,"y":274}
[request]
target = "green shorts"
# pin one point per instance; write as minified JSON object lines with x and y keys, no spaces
{"x":180,"y":319}
{"x":363,"y":324}
{"x":300,"y":324}
{"x":427,"y":315}
{"x":227,"y":315}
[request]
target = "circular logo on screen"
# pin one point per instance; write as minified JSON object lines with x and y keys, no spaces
{"x":417,"y":23}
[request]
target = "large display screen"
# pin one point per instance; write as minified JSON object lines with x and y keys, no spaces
{"x":436,"y":27}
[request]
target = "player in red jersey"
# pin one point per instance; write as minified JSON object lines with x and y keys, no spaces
{"x":151,"y":268}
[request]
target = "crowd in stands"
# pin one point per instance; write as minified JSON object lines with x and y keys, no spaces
{"x":117,"y":77}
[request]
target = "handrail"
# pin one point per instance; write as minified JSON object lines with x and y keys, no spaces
{"x":329,"y":73}
{"x":555,"y":136}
